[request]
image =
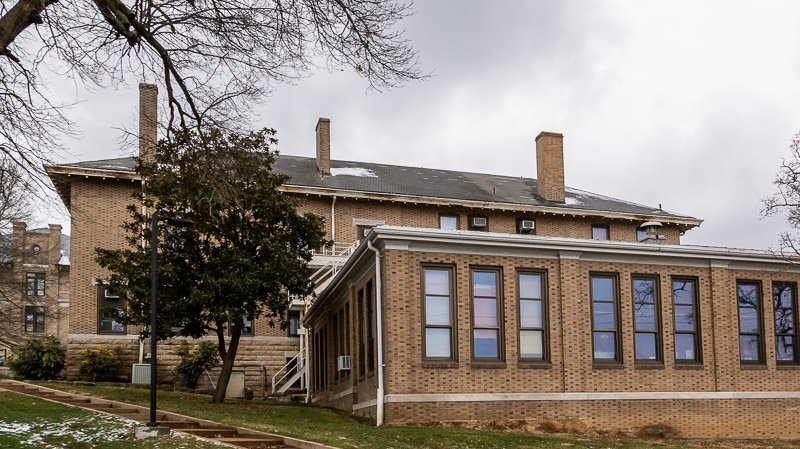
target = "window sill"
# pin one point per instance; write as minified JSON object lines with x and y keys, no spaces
{"x":534,"y":365}
{"x":646,"y":366}
{"x":690,"y":366}
{"x":789,"y":366}
{"x":754,"y":366}
{"x":435,"y":364}
{"x":488,"y":365}
{"x":610,"y":365}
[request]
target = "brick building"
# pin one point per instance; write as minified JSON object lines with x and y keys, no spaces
{"x":465,"y":297}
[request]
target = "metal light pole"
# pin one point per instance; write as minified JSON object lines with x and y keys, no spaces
{"x":175,"y":221}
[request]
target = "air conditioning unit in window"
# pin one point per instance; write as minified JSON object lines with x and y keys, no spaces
{"x":527,"y":226}
{"x":478,"y":222}
{"x":343,"y":363}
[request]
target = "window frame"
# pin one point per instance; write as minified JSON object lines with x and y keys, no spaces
{"x":362,"y":362}
{"x":762,"y":359}
{"x":36,"y":276}
{"x":471,"y":228}
{"x":698,"y":341}
{"x":618,"y":359}
{"x":369,"y":296}
{"x":796,"y":345}
{"x":103,"y":291}
{"x":453,"y":313}
{"x":603,"y":226}
{"x":637,"y":231}
{"x":38,"y":311}
{"x":545,"y":316}
{"x":288,"y":323}
{"x":519,"y":225}
{"x":659,"y":332}
{"x":500,"y":359}
{"x":451,"y":215}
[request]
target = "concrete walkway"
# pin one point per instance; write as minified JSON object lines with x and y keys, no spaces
{"x":200,"y":428}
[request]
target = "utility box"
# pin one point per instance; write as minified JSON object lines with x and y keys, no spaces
{"x":235,"y":385}
{"x":140,"y":374}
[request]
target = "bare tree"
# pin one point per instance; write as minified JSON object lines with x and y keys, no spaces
{"x":787,"y":200}
{"x":212,"y":57}
{"x":15,"y":190}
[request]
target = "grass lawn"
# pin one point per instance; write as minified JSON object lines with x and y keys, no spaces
{"x":29,"y":423}
{"x":324,"y":426}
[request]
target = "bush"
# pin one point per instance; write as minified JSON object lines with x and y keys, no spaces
{"x":100,"y":363}
{"x":40,"y":359}
{"x":192,"y":365}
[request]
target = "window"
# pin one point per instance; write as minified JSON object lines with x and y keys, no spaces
{"x":247,"y":325}
{"x":486,"y":316}
{"x":294,"y":324}
{"x":646,"y":320}
{"x":35,"y":284}
{"x":687,"y":320}
{"x":449,"y":222}
{"x":600,"y":232}
{"x":605,"y":325}
{"x":641,"y":234}
{"x":2,"y":357}
{"x":362,"y":231}
{"x":532,"y":316}
{"x":438,"y":312}
{"x":110,"y":309}
{"x":336,"y":345}
{"x":526,"y":226}
{"x":362,"y":364}
{"x":370,"y":330}
{"x":478,"y":223}
{"x":751,"y":342}
{"x":785,"y":300}
{"x":34,"y":319}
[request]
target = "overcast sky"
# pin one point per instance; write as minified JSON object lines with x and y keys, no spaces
{"x":675,"y":103}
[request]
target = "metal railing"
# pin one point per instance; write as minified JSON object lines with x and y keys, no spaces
{"x":336,"y":249}
{"x":297,"y":362}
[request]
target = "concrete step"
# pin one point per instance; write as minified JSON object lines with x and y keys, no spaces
{"x":209,"y":432}
{"x":254,"y":442}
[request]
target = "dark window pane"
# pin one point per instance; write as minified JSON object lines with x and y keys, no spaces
{"x":530,"y":286}
{"x":784,"y":348}
{"x":683,"y":292}
{"x":437,"y":282}
{"x":437,"y":310}
{"x":449,"y":222}
{"x":645,"y":317}
{"x":684,"y":318}
{"x":485,"y":343}
{"x":605,"y":345}
{"x":784,"y":321}
{"x":531,"y":344}
{"x":485,"y":312}
{"x":748,"y":319}
{"x":748,"y":348}
{"x":599,"y":232}
{"x":641,"y":234}
{"x":604,"y":315}
{"x":748,"y":295}
{"x":484,"y":283}
{"x":645,"y":346}
{"x":685,"y":347}
{"x":602,"y":289}
{"x":437,"y":343}
{"x":644,"y":291}
{"x":530,"y":313}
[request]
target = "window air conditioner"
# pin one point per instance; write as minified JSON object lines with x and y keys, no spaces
{"x":343,"y":363}
{"x":478,"y":222}
{"x":527,"y":225}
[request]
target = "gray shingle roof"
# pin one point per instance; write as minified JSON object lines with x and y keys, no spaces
{"x":424,"y":182}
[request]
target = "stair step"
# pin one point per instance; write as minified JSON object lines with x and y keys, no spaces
{"x":208,"y":432}
{"x":253,"y":443}
{"x":179,"y":424}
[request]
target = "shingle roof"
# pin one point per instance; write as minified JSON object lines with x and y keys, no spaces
{"x":424,"y":182}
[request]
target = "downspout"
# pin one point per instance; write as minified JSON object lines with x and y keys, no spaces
{"x":379,"y":319}
{"x":333,"y":218}
{"x":309,"y":331}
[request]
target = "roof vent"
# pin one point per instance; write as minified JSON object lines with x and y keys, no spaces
{"x":651,"y":229}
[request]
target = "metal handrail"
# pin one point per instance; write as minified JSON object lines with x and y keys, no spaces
{"x":300,"y":362}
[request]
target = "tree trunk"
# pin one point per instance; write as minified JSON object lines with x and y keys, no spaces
{"x":227,"y":366}
{"x":22,"y":15}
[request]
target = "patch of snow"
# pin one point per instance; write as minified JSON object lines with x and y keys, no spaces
{"x":572,"y":201}
{"x":353,"y":171}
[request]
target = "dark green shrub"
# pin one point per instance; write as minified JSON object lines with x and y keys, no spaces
{"x":100,"y":363}
{"x":40,"y":359}
{"x":192,"y":364}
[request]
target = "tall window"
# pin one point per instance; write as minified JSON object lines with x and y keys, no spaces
{"x":110,"y":309}
{"x":686,"y":317}
{"x":370,"y":328}
{"x":486,"y":316}
{"x":294,"y":323}
{"x":438,"y":312}
{"x":605,"y":322}
{"x":600,"y":232}
{"x":641,"y":234}
{"x":532,"y":317}
{"x":751,"y":341}
{"x":646,"y":320}
{"x":362,"y":363}
{"x":337,"y":345}
{"x":34,"y":319}
{"x":448,"y":221}
{"x":785,"y":301}
{"x":35,"y":284}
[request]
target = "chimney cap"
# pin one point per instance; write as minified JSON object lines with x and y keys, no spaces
{"x":549,"y":134}
{"x":322,"y":120}
{"x":147,"y":86}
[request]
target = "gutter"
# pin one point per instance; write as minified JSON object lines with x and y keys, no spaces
{"x":381,"y":393}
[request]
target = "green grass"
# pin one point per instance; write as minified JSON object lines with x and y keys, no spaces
{"x":27,"y":422}
{"x":325,"y":426}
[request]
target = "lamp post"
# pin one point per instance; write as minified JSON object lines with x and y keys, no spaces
{"x":175,"y":221}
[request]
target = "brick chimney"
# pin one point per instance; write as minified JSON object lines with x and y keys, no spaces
{"x":550,"y":166}
{"x":324,"y":145}
{"x":148,"y":119}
